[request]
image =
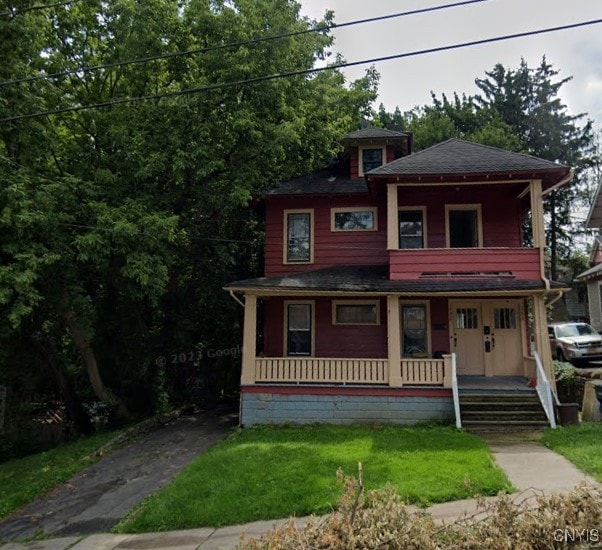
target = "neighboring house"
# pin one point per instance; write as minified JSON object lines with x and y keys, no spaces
{"x":593,"y":276}
{"x":375,"y":283}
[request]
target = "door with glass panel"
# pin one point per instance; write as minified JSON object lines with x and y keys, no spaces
{"x":466,"y":335}
{"x":504,"y":318}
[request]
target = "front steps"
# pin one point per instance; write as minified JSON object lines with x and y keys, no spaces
{"x":490,"y":411}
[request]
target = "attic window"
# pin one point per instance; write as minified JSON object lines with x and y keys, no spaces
{"x":370,"y":158}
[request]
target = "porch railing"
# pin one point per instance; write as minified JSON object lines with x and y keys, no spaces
{"x":303,"y":370}
{"x":544,"y":390}
{"x":419,"y":372}
{"x":328,"y":370}
{"x":455,"y":392}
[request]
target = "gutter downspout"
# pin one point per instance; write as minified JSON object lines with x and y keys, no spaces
{"x":236,"y":298}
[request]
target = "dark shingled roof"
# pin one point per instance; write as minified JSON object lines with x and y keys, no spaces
{"x":318,"y":183}
{"x":458,"y":157}
{"x":375,"y":278}
{"x":374,"y":133}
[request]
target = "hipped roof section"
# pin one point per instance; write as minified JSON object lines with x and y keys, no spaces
{"x":456,"y":160}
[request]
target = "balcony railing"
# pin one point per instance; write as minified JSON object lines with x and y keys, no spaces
{"x":515,"y":263}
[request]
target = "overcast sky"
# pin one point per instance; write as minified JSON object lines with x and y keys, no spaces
{"x":408,"y":82}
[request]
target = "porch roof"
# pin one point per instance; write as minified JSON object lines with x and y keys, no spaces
{"x":456,"y":158}
{"x":593,"y":272}
{"x":375,"y":279}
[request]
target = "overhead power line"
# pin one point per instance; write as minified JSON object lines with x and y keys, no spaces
{"x":13,"y":13}
{"x":255,"y":80}
{"x":320,"y":28}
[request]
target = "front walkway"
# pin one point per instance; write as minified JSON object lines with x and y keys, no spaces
{"x":532,"y":469}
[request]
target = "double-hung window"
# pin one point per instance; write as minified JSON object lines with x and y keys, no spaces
{"x":411,"y":228}
{"x":299,"y":328}
{"x":298,"y":234}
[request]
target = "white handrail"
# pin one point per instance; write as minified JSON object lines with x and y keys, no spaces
{"x":454,"y":384}
{"x":544,"y":390}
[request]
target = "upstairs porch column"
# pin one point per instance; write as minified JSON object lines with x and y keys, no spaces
{"x":392,"y":217}
{"x":394,"y":340}
{"x":249,"y":339}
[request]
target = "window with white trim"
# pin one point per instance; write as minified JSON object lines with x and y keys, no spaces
{"x":354,"y":219}
{"x":299,"y":236}
{"x":371,"y":158}
{"x":355,"y":312}
{"x":411,"y":228}
{"x":299,"y":330}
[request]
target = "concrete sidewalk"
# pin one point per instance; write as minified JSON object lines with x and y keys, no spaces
{"x":532,"y":469}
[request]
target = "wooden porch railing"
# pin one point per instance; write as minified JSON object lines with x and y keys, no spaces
{"x":314,"y":370}
{"x":423,"y":372}
{"x":305,"y":370}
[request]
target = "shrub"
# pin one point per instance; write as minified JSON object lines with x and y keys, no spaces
{"x":381,"y":520}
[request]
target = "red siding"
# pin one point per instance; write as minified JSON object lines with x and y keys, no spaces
{"x":439,"y":325}
{"x":368,"y":341}
{"x":330,"y":247}
{"x":411,"y":264}
{"x":499,"y":208}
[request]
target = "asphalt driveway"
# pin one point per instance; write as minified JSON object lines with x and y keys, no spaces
{"x":95,"y":499}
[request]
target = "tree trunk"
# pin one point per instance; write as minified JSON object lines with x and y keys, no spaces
{"x":75,"y":409}
{"x":82,"y":344}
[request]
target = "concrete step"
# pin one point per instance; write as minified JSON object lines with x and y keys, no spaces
{"x":503,"y":416}
{"x":502,"y":411}
{"x":501,"y":405}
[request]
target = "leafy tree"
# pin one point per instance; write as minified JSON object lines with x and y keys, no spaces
{"x":121,"y":224}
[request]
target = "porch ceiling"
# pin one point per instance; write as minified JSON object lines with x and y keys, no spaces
{"x":375,"y":279}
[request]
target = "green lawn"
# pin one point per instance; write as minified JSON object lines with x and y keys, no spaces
{"x":275,"y":472}
{"x":23,"y":479}
{"x":579,"y":443}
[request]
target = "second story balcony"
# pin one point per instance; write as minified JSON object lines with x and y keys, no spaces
{"x":443,"y":263}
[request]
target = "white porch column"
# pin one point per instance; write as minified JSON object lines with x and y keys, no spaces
{"x":542,"y":341}
{"x":249,"y":340}
{"x":394,"y":341}
{"x":392,"y":218}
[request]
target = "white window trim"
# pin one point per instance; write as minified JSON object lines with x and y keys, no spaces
{"x":309,"y":211}
{"x":311,"y":303}
{"x":427,"y":305}
{"x":476,"y":207}
{"x":424,"y":225}
{"x":360,"y":156}
{"x":334,"y":211}
{"x":336,"y":303}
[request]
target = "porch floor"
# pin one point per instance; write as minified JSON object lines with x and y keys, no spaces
{"x":476,"y":384}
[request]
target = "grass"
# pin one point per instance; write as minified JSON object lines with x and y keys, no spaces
{"x":24,"y":479}
{"x":580,"y":443}
{"x":275,"y":472}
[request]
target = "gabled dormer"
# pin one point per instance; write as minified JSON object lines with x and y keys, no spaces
{"x":370,"y":148}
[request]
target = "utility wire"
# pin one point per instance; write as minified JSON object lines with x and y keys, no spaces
{"x":320,"y":28}
{"x":13,"y":13}
{"x":254,"y":80}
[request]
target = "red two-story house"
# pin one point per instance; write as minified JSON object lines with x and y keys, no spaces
{"x":388,"y":288}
